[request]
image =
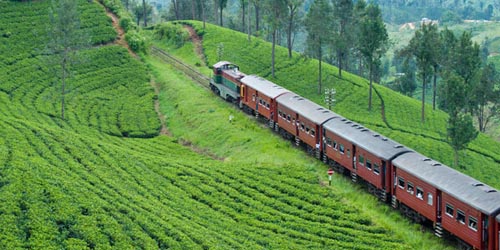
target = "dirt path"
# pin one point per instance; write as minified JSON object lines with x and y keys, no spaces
{"x":161,"y":116}
{"x":120,"y":40}
{"x":198,"y":46}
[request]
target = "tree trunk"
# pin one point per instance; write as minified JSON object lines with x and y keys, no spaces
{"x":216,"y":14}
{"x":256,"y":17}
{"x":275,"y":32}
{"x":434,"y":87}
{"x":243,"y":26}
{"x":144,"y":13}
{"x":220,"y":14}
{"x":63,"y":84}
{"x":203,"y":14}
{"x":249,"y":24}
{"x":371,"y":86}
{"x":319,"y":65}
{"x":289,"y":36}
{"x":455,"y":157}
{"x":176,"y":9}
{"x":339,"y":62}
{"x":193,"y":12}
{"x":424,"y":85}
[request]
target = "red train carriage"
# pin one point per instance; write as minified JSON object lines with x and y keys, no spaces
{"x":226,"y":81}
{"x":364,"y":153}
{"x":455,"y":202}
{"x":301,"y":119}
{"x":258,"y":96}
{"x":497,"y":233}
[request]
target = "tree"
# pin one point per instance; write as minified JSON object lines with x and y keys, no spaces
{"x":276,"y":10}
{"x":243,"y":4}
{"x":219,"y":6}
{"x":460,"y":133}
{"x":343,"y":11}
{"x":407,"y":82}
{"x":256,"y":5}
{"x":487,"y":96}
{"x":421,"y":47}
{"x":293,"y":10}
{"x":318,"y":25}
{"x":66,"y":38}
{"x":372,"y":41}
{"x":460,"y":129}
{"x":142,"y":13}
{"x":144,"y":10}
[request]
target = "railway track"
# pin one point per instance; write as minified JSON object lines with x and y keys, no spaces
{"x":187,"y":69}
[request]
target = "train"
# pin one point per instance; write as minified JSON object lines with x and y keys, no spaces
{"x":426,"y":191}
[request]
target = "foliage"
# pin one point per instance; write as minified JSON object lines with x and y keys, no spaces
{"x":172,"y":33}
{"x":136,"y":41}
{"x":461,"y":131}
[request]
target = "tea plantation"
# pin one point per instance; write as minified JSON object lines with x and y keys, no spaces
{"x":402,"y":114}
{"x":103,"y":178}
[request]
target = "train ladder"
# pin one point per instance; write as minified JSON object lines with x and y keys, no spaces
{"x":394,"y":202}
{"x":438,"y":230}
{"x":354,"y":177}
{"x":297,"y":141}
{"x":271,"y":124}
{"x":383,"y":195}
{"x":325,"y":159}
{"x":318,"y":154}
{"x":276,"y":127}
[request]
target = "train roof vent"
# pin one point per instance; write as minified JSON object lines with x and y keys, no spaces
{"x":376,"y":135}
{"x":398,"y":146}
{"x":319,"y":108}
{"x":426,"y":159}
{"x":490,"y":191}
{"x":384,"y":139}
{"x":348,"y":122}
{"x":354,"y":125}
{"x":326,"y":111}
{"x":364,"y":130}
{"x":343,"y":119}
{"x":436,"y":164}
{"x":477,"y":184}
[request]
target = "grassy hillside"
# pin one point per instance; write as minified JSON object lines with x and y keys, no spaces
{"x":103,"y":179}
{"x":299,"y":74}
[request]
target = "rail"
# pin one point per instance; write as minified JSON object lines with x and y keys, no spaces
{"x":187,"y":69}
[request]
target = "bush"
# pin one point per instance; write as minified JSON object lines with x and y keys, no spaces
{"x":174,"y":34}
{"x":136,"y":42}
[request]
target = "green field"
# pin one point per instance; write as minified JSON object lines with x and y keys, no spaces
{"x":104,"y":178}
{"x":481,"y":160}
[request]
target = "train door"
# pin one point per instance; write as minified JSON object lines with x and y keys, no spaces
{"x":354,"y":153}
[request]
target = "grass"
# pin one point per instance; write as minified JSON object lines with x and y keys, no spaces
{"x":80,"y":183}
{"x":299,"y":74}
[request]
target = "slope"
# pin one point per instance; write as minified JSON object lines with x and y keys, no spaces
{"x":102,"y":179}
{"x":393,"y":115}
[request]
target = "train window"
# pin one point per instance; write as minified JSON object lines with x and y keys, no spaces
{"x":429,"y":199}
{"x":410,"y":188}
{"x":335,"y":145}
{"x":313,"y":133}
{"x":376,"y":168}
{"x":279,"y":113}
{"x":302,"y":126}
{"x":368,"y":164}
{"x":293,"y":122}
{"x":267,"y":105}
{"x":288,"y":118}
{"x":253,"y":98}
{"x":348,"y":153}
{"x":472,"y":223}
{"x":420,"y":193}
{"x":460,"y":216}
{"x":341,"y":149}
{"x":449,"y":210}
{"x":328,"y":141}
{"x":401,"y":182}
{"x":361,"y":160}
{"x":307,"y":130}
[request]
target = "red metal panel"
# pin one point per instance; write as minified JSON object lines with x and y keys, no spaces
{"x":307,"y":136}
{"x":231,"y":78}
{"x":367,"y":174}
{"x":462,"y":230}
{"x":421,"y":205}
{"x":496,"y":235}
{"x":335,"y":154}
{"x":289,"y":126}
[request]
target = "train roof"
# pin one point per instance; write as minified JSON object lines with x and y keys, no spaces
{"x":377,"y":144}
{"x":264,"y":86}
{"x":306,"y":108}
{"x":464,"y":188}
{"x":222,"y":63}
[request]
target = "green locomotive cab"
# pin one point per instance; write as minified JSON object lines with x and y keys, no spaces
{"x":226,"y":81}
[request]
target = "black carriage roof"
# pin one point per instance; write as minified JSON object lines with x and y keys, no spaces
{"x":378,"y":145}
{"x":306,"y":108}
{"x":263,"y":86}
{"x":464,"y":188}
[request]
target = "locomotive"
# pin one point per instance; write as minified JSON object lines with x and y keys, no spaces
{"x":426,"y":191}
